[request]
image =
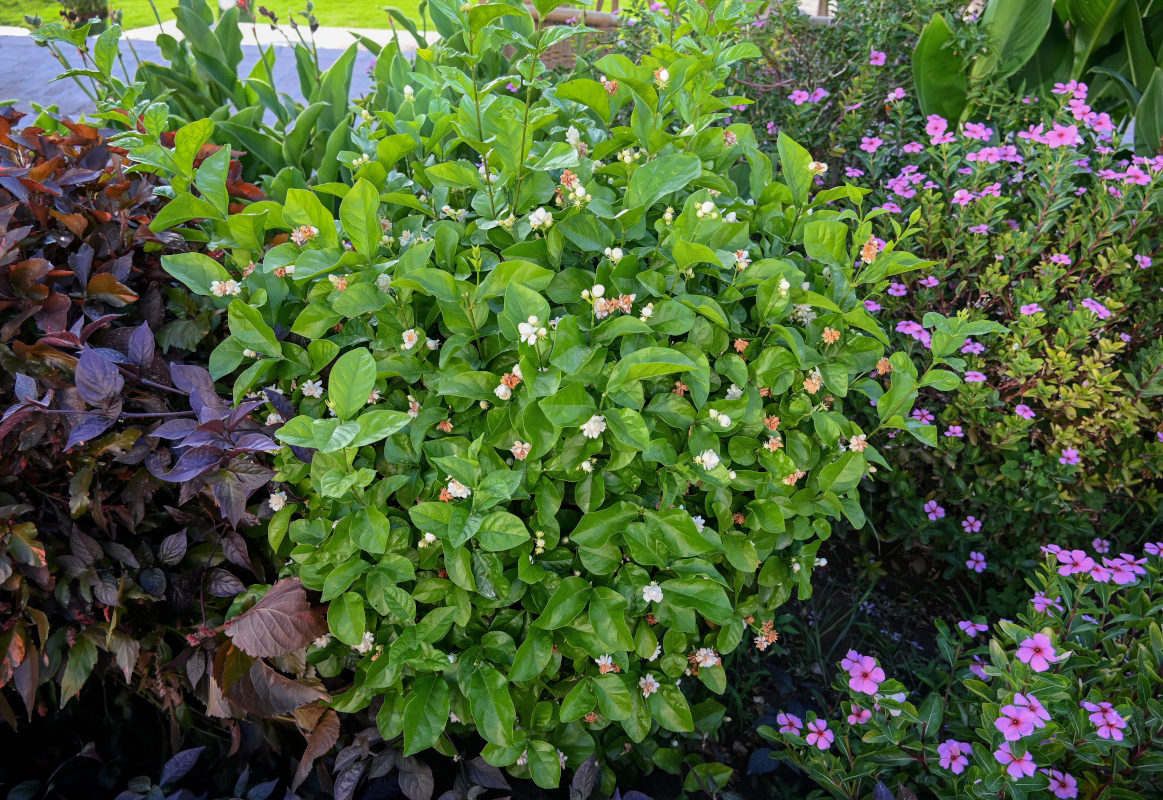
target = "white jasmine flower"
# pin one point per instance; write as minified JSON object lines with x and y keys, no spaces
{"x":614,"y":254}
{"x":426,"y":540}
{"x":586,"y":466}
{"x":458,"y":489}
{"x":724,"y":421}
{"x":409,"y":94}
{"x":384,"y":282}
{"x":734,"y":392}
{"x":312,"y":389}
{"x":530,"y":331}
{"x":369,"y":641}
{"x":706,"y":657}
{"x":647,"y":312}
{"x":432,"y":344}
{"x":572,"y":136}
{"x":817,"y":168}
{"x":605,"y":663}
{"x":520,"y":450}
{"x":503,"y":392}
{"x":275,"y":418}
{"x":648,"y":684}
{"x":708,"y":459}
{"x":594,"y":427}
{"x":540,"y":219}
{"x":652,"y":592}
{"x":657,"y":653}
{"x":277,"y":501}
{"x":700,"y":523}
{"x":225,"y":288}
{"x":410,"y":338}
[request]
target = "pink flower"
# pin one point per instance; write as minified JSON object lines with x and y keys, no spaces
{"x":1101,"y":545}
{"x":1038,"y":652}
{"x":853,"y":172}
{"x":1074,"y":562}
{"x":977,"y":669}
{"x":1024,"y":411}
{"x":935,"y":125}
{"x":1143,"y":261}
{"x":971,"y":524}
{"x":962,"y":197}
{"x":799,"y":97}
{"x":876,"y":58}
{"x":789,"y":723}
{"x":871,"y":306}
{"x":973,"y":376}
{"x":954,"y":432}
{"x":1029,"y":309}
{"x":850,"y":660}
{"x":943,"y":138}
{"x":1042,"y":603}
{"x":972,"y":628}
{"x":817,"y":95}
{"x":1014,"y":723}
{"x":1108,"y":722}
{"x":970,"y":346}
{"x":865,"y":676}
{"x":896,"y":94}
{"x":897,"y":289}
{"x":976,"y":562}
{"x":954,"y":755}
{"x":923,"y":415}
{"x":1069,"y":457}
{"x":1097,"y":308}
{"x":933,"y":510}
{"x":859,"y":715}
{"x":1035,"y":707}
{"x":869,"y":144}
{"x":930,"y":281}
{"x":1062,"y":136}
{"x":819,"y":735}
{"x":1017,"y":766}
{"x":1153,"y":548}
{"x":1062,"y":785}
{"x":975,"y":130}
{"x":913,"y":147}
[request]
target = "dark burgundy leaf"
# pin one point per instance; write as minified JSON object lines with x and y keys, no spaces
{"x":584,"y":780}
{"x":416,"y":779}
{"x":265,"y":693}
{"x":280,"y":402}
{"x":98,"y":381}
{"x":153,"y":580}
{"x":121,"y":553}
{"x":240,"y":411}
{"x":25,"y":388}
{"x":234,"y":548}
{"x":141,"y":346}
{"x":263,"y":791}
{"x":482,"y":773}
{"x":177,"y":767}
{"x":82,"y":263}
{"x":173,"y":548}
{"x":229,"y":493}
{"x":256,"y":442}
{"x":91,"y":425}
{"x":191,"y":379}
{"x":192,"y":463}
{"x":97,"y":324}
{"x":111,"y":355}
{"x":323,"y":737}
{"x":281,"y":622}
{"x":205,"y":438}
{"x":84,"y":547}
{"x":174,"y":428}
{"x":224,"y":584}
{"x":120,"y":266}
{"x":348,"y":782}
{"x":882,"y":792}
{"x":107,"y":591}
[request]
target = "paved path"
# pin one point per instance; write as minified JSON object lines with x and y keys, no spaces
{"x":27,"y":70}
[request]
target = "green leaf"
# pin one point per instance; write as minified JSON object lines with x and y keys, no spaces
{"x":647,"y":363}
{"x":105,"y":49}
{"x":346,"y":618}
{"x":211,"y":180}
{"x":544,"y":763}
{"x":564,"y":605}
{"x":247,"y":325}
{"x":670,"y":708}
{"x":196,"y":270}
{"x":826,"y":240}
{"x":843,"y":474}
{"x":183,"y":208}
{"x":304,"y":208}
{"x":359,"y":213}
{"x":481,"y":15}
{"x":939,"y":72}
{"x":188,"y":141}
{"x":426,"y":713}
{"x":533,"y":656}
{"x":658,"y":178}
{"x":628,"y":427}
{"x":492,"y":706}
{"x":1016,"y":29}
{"x":705,"y":597}
{"x":614,"y":698}
{"x":589,"y":93}
{"x":1149,"y":116}
{"x":82,"y":659}
{"x":351,"y":382}
{"x":794,"y":163}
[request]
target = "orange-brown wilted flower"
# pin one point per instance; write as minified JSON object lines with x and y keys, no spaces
{"x":444,"y":425}
{"x":741,"y":345}
{"x":681,"y":388}
{"x":883,"y":367}
{"x":771,"y":422}
{"x":869,"y":251}
{"x":831,"y":335}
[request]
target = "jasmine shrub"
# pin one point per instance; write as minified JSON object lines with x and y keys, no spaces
{"x":566,"y":404}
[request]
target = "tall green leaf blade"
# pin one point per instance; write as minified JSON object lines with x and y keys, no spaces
{"x":939,"y":72}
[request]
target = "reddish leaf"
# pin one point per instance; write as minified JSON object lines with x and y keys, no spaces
{"x":280,"y":623}
{"x":265,"y":693}
{"x":323,"y":737}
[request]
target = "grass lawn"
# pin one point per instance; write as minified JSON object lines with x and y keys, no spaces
{"x":138,"y":13}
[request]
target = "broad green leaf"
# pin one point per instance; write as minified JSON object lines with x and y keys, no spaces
{"x":351,"y":382}
{"x":247,"y":325}
{"x":426,"y":713}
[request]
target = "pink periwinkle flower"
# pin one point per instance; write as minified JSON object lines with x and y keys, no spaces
{"x":859,"y":715}
{"x":1109,"y":723}
{"x":971,"y":524}
{"x":913,"y":147}
{"x":1024,"y":411}
{"x":817,"y":95}
{"x":979,"y":229}
{"x":954,"y":432}
{"x":976,"y":562}
{"x":876,"y":58}
{"x":1014,"y":722}
{"x":922,"y":415}
{"x":935,"y":125}
{"x":853,"y":172}
{"x":1097,"y":308}
{"x":819,"y":735}
{"x":1061,"y":259}
{"x":930,"y":281}
{"x":870,"y":144}
{"x":896,"y":94}
{"x":799,"y":97}
{"x":954,"y":755}
{"x":978,"y":669}
{"x":973,"y":376}
{"x":850,"y":660}
{"x":871,"y":306}
{"x":1143,"y":261}
{"x":1017,"y":766}
{"x":1074,"y":562}
{"x":789,"y":723}
{"x":1034,"y":706}
{"x":972,"y":628}
{"x":897,"y":289}
{"x":1038,"y":652}
{"x":1029,"y":309}
{"x":972,"y":347}
{"x":865,"y":676}
{"x":1062,"y":784}
{"x":1070,"y":457}
{"x":976,"y":130}
{"x":1101,"y":545}
{"x":1062,"y":136}
{"x":933,"y":510}
{"x":1042,"y":603}
{"x":1153,"y":548}
{"x":962,"y":197}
